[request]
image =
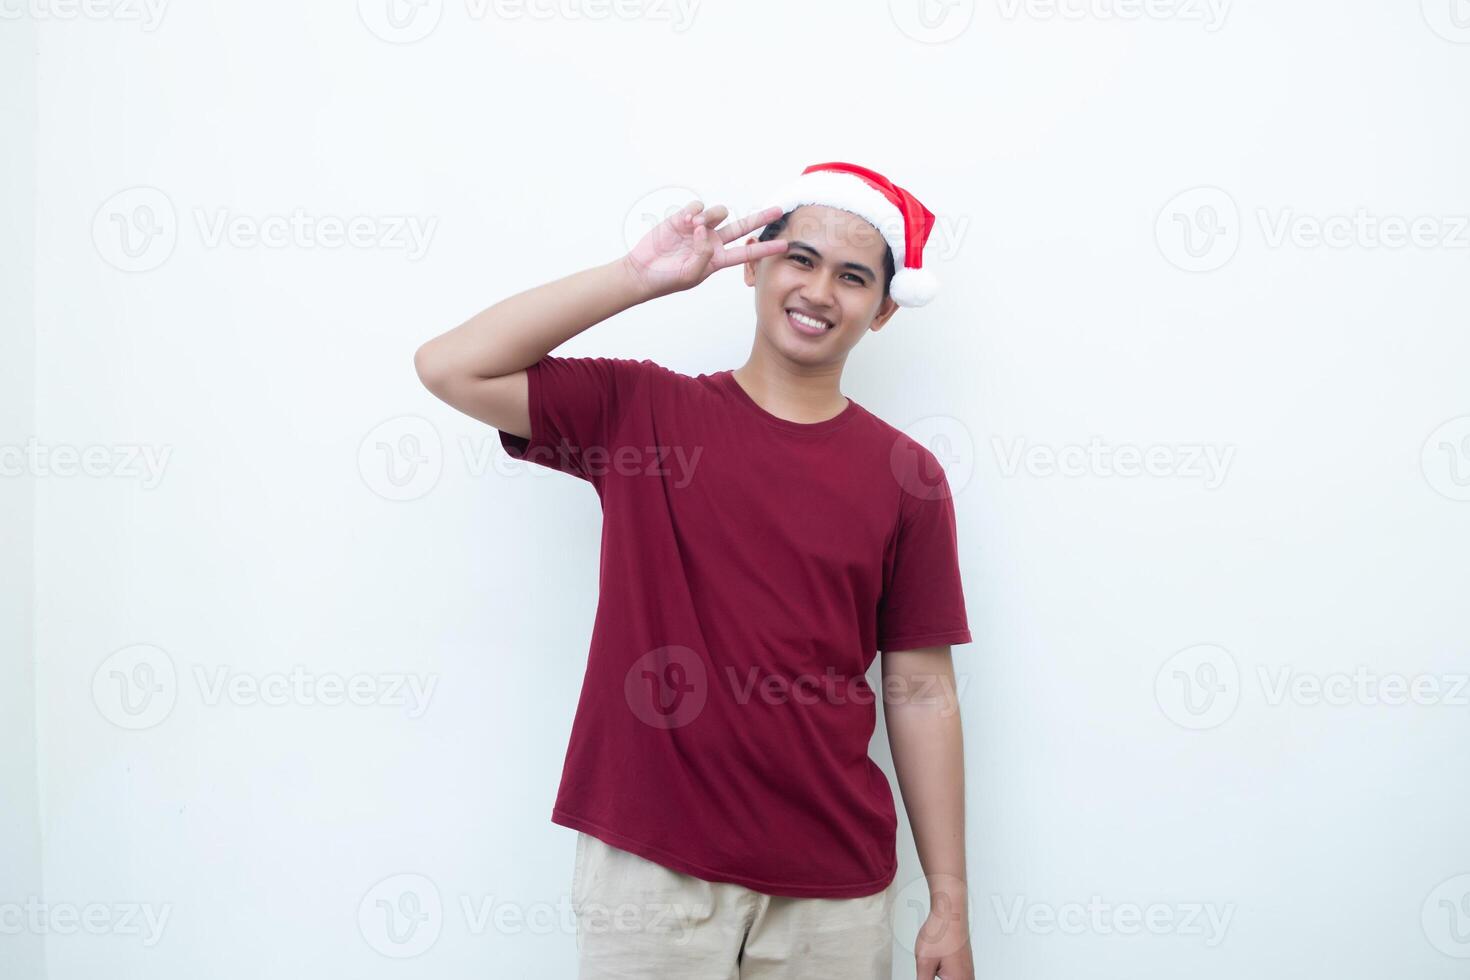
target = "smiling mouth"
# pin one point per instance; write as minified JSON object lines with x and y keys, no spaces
{"x":807,"y":321}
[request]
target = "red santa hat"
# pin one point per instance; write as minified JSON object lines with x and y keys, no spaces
{"x":903,"y":222}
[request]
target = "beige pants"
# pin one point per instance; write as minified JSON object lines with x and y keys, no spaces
{"x":636,"y":918}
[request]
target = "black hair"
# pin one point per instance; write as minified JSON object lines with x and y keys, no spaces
{"x":775,"y":228}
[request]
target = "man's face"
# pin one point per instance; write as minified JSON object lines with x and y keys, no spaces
{"x":832,"y":269}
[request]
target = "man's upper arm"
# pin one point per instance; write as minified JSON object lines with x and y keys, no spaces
{"x":500,"y":402}
{"x":923,"y":601}
{"x":913,"y":673}
{"x":573,"y":407}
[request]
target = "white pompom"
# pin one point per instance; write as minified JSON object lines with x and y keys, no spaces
{"x":913,"y":287}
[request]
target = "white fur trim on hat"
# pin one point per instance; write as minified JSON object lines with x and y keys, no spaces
{"x":848,"y":192}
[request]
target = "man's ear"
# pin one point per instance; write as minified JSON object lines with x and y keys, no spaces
{"x":886,"y":309}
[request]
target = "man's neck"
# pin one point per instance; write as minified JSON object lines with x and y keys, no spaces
{"x":805,"y":396}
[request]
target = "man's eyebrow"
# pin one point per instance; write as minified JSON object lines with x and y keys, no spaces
{"x":856,"y":266}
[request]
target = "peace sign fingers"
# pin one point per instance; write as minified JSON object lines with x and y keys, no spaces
{"x":736,"y":254}
{"x":747,"y":224}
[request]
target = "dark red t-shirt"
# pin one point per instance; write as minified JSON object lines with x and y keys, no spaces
{"x":751,"y":569}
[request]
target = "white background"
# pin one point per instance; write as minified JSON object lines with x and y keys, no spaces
{"x":1127,"y":197}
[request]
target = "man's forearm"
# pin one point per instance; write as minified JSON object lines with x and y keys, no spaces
{"x":921,"y":708}
{"x":521,"y":329}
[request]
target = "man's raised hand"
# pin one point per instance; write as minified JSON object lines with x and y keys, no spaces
{"x":689,"y":246}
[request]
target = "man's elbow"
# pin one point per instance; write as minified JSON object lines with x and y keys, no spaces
{"x":430,"y":367}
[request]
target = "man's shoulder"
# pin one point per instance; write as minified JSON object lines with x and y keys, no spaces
{"x":647,"y":368}
{"x":623,"y":371}
{"x":917,"y":458}
{"x":891,"y":436}
{"x":640,"y":365}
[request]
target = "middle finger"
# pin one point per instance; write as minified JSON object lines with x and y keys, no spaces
{"x":759,"y":219}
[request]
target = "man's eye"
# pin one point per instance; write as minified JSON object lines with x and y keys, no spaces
{"x":850,"y":275}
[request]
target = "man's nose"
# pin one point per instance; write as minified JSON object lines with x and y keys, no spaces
{"x":817,"y":289}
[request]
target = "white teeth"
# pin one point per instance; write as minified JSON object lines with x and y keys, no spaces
{"x":810,"y":321}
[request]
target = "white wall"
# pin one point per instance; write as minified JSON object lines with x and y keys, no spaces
{"x":273,"y":490}
{"x":21,"y":948}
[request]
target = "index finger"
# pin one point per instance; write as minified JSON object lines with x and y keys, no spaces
{"x":750,"y":222}
{"x":737,"y":254}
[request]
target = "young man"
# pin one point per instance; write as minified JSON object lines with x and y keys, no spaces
{"x":763,"y":538}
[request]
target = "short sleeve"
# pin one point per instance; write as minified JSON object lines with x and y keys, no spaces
{"x":575,"y":406}
{"x":923,"y":601}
